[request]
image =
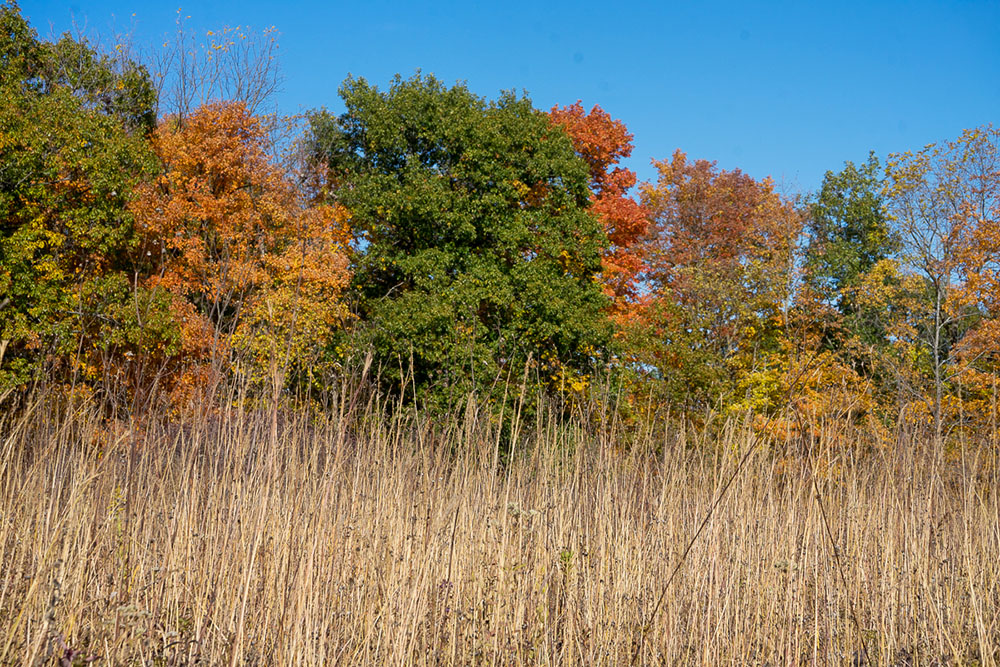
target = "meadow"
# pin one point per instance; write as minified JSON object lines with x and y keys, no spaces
{"x":380,"y":535}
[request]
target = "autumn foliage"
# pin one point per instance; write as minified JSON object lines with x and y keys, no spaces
{"x":717,"y":279}
{"x":245,"y":259}
{"x":603,"y":142}
{"x":434,"y":379}
{"x":449,"y":244}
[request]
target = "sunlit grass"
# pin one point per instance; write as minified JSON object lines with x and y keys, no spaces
{"x":373,"y":539}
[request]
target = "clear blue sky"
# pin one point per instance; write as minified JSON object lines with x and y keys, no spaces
{"x":781,"y":89}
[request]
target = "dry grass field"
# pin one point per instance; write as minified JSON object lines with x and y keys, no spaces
{"x":362,"y":540}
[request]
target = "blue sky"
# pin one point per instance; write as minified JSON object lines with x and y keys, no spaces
{"x":787,"y":90}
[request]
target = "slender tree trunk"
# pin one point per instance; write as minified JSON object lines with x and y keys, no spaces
{"x":937,"y":368}
{"x":993,"y":413}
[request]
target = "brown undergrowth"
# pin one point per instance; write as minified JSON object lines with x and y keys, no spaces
{"x":388,"y":537}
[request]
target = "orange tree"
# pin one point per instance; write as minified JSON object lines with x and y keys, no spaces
{"x":979,"y":255}
{"x":720,"y":260}
{"x":603,"y":142}
{"x":243,"y":256}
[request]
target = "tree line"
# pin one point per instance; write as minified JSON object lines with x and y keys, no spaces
{"x":161,"y":236}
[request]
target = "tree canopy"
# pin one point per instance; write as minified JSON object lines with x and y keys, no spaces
{"x":476,"y":248}
{"x":73,"y":146}
{"x":452,"y":245}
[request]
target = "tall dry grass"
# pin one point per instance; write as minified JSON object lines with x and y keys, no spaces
{"x":399,"y":539}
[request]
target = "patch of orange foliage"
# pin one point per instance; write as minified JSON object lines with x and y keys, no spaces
{"x":603,"y":142}
{"x":235,"y":240}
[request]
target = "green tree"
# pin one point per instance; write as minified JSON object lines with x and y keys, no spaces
{"x":849,"y":231}
{"x":73,"y":127}
{"x":476,"y":250}
{"x":849,"y":234}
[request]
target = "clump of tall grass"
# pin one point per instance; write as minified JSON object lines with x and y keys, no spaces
{"x":381,"y":535}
